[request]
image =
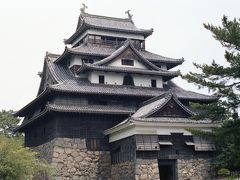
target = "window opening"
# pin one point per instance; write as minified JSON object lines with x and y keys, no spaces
{"x":128,"y":80}
{"x":128,"y":62}
{"x":153,"y":83}
{"x":101,"y":79}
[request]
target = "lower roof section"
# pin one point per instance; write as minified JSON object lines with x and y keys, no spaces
{"x":89,"y":109}
{"x":160,"y":126}
{"x":92,"y":109}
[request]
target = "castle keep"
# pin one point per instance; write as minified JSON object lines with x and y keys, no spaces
{"x":108,"y":109}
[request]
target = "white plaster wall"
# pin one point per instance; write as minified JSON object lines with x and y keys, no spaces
{"x":75,"y":60}
{"x":137,"y":64}
{"x":117,"y":79}
{"x":145,"y":80}
{"x":110,"y":78}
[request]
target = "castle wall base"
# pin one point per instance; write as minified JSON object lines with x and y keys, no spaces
{"x":71,"y":159}
{"x":197,"y":168}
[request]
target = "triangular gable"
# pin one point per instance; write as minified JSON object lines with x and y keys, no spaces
{"x":127,"y":51}
{"x":172,"y":109}
{"x":166,"y":105}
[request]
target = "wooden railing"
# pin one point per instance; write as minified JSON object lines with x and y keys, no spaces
{"x":137,"y":45}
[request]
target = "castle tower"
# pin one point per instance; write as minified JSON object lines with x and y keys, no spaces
{"x":107,"y":108}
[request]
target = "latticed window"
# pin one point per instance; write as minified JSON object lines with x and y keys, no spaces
{"x":202,"y":144}
{"x":147,"y":143}
{"x":128,"y":62}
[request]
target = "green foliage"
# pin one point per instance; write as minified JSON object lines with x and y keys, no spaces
{"x":18,"y":162}
{"x":228,"y":143}
{"x":224,"y":82}
{"x":214,"y":111}
{"x":223,"y":172}
{"x":7,"y":122}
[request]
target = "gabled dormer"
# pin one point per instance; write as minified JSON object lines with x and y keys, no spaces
{"x":125,"y":67}
{"x":166,"y":105}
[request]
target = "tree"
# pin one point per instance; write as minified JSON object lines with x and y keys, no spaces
{"x":223,"y":82}
{"x":7,"y":122}
{"x":18,"y":162}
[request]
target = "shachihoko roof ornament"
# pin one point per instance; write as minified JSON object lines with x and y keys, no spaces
{"x":129,"y":14}
{"x":83,"y":8}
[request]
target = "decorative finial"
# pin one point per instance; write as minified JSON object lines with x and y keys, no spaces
{"x":82,"y":9}
{"x":129,"y":14}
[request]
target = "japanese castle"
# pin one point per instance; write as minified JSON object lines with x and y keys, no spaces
{"x":108,"y":109}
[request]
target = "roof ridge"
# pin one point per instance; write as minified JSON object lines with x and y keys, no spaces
{"x":106,"y":17}
{"x":48,"y":54}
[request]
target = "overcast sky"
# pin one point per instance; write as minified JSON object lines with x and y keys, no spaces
{"x":29,"y":28}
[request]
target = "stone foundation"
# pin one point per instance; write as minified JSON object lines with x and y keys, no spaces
{"x":72,"y":160}
{"x":194,"y":169}
{"x":139,"y":170}
{"x":147,"y":169}
{"x":124,"y":170}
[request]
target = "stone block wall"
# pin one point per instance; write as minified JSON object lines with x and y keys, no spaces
{"x":194,"y":169}
{"x":141,"y":169}
{"x":45,"y":151}
{"x":125,"y":170}
{"x":147,"y":169}
{"x":72,"y":160}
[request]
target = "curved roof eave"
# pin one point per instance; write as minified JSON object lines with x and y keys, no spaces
{"x":23,"y":110}
{"x":86,"y":26}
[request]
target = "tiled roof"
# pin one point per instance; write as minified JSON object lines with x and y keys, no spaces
{"x":160,"y":121}
{"x":171,"y":120}
{"x":127,"y":44}
{"x":67,"y":82}
{"x":107,"y":51}
{"x":152,"y":105}
{"x":87,"y":21}
{"x":108,"y":22}
{"x":160,"y":72}
{"x":99,"y":109}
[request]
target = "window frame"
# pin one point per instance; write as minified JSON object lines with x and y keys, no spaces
{"x":127,"y":62}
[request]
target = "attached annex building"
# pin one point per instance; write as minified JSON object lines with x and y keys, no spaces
{"x":107,"y":109}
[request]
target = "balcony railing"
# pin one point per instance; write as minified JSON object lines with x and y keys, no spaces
{"x":136,"y":44}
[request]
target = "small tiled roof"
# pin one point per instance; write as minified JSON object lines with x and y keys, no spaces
{"x":87,"y":67}
{"x":99,"y":109}
{"x":160,"y":121}
{"x":171,"y":120}
{"x":87,"y":21}
{"x":153,"y":105}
